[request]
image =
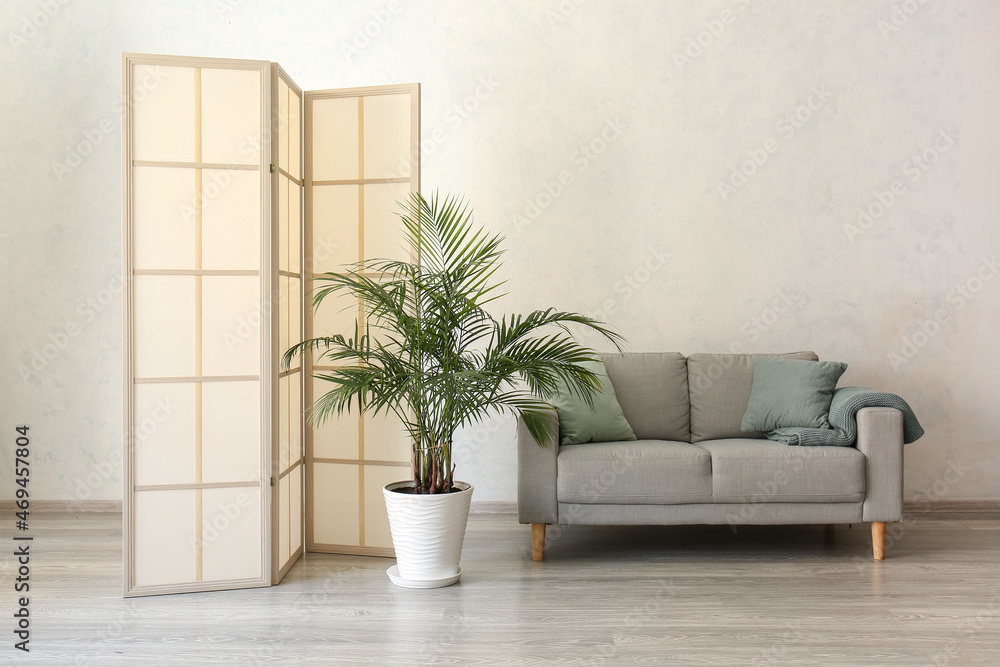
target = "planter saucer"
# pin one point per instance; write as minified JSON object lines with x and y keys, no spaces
{"x":394,"y":577}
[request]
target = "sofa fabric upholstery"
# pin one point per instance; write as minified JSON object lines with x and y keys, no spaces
{"x":536,"y":476}
{"x":652,"y":389}
{"x":635,"y":472}
{"x":764,"y":471}
{"x":880,"y":440}
{"x":725,"y":514}
{"x":719,"y":386}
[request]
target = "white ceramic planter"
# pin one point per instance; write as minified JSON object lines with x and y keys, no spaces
{"x":427,"y":533}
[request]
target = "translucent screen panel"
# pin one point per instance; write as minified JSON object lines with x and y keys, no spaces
{"x":283,"y":124}
{"x":230,"y":431}
{"x":284,"y":504}
{"x":290,"y":229}
{"x":336,"y":504}
{"x":294,"y":227}
{"x":283,"y":315}
{"x":335,"y":139}
{"x":232,"y":319}
{"x":386,"y":438}
{"x":295,"y":413}
{"x":337,"y":314}
{"x":387,"y":148}
{"x":294,"y":135}
{"x":230,"y":219}
{"x":284,"y":422}
{"x":230,"y":101}
{"x":231,"y":534}
{"x":336,"y":438}
{"x":348,"y":221}
{"x":290,"y":317}
{"x":283,"y":231}
{"x":335,"y":211}
{"x":163,"y":113}
{"x":376,"y":521}
{"x":384,"y":237}
{"x":164,"y":218}
{"x":295,"y":482}
{"x":294,"y":310}
{"x":164,"y":537}
{"x":164,"y":326}
{"x":163,"y":445}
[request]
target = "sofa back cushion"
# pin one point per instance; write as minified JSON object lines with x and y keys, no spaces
{"x":720,"y":390}
{"x":652,"y":389}
{"x":600,"y":421}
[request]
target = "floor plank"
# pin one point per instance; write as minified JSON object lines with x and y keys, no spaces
{"x":694,"y":595}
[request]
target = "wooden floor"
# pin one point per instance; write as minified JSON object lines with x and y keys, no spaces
{"x":698,"y":595}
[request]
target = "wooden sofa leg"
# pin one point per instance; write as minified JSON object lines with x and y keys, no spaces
{"x":878,"y":539}
{"x":537,"y":542}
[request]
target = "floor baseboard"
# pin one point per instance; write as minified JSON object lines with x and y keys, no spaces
{"x":478,"y":506}
{"x":938,"y":505}
{"x":951,"y":505}
{"x":494,"y":507}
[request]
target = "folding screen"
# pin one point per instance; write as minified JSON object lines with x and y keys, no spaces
{"x":362,"y":152}
{"x":213,"y":254}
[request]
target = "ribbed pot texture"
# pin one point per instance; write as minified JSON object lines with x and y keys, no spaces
{"x":427,"y":530}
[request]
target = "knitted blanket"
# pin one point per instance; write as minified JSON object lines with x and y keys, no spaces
{"x":844,"y":428}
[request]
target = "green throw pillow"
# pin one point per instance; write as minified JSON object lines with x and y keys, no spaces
{"x":579,"y":423}
{"x":791,"y":393}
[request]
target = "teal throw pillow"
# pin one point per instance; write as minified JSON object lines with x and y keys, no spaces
{"x":580,"y":423}
{"x":791,"y":393}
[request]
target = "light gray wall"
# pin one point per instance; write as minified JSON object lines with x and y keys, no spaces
{"x":596,"y":135}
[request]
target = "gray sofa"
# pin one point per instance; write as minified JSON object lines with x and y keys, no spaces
{"x":691,"y":464}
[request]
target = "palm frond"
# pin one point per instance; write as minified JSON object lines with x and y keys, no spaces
{"x":429,"y":352}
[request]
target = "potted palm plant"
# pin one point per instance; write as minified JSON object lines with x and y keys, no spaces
{"x":429,"y":352}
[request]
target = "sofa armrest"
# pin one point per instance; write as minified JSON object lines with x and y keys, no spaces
{"x":536,"y":477}
{"x":880,"y":439}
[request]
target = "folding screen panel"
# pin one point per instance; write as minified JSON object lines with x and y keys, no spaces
{"x":362,"y":156}
{"x":288,"y":469}
{"x":198,"y":358}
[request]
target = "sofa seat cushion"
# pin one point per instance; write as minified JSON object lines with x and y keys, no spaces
{"x":764,"y":471}
{"x":655,"y":472}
